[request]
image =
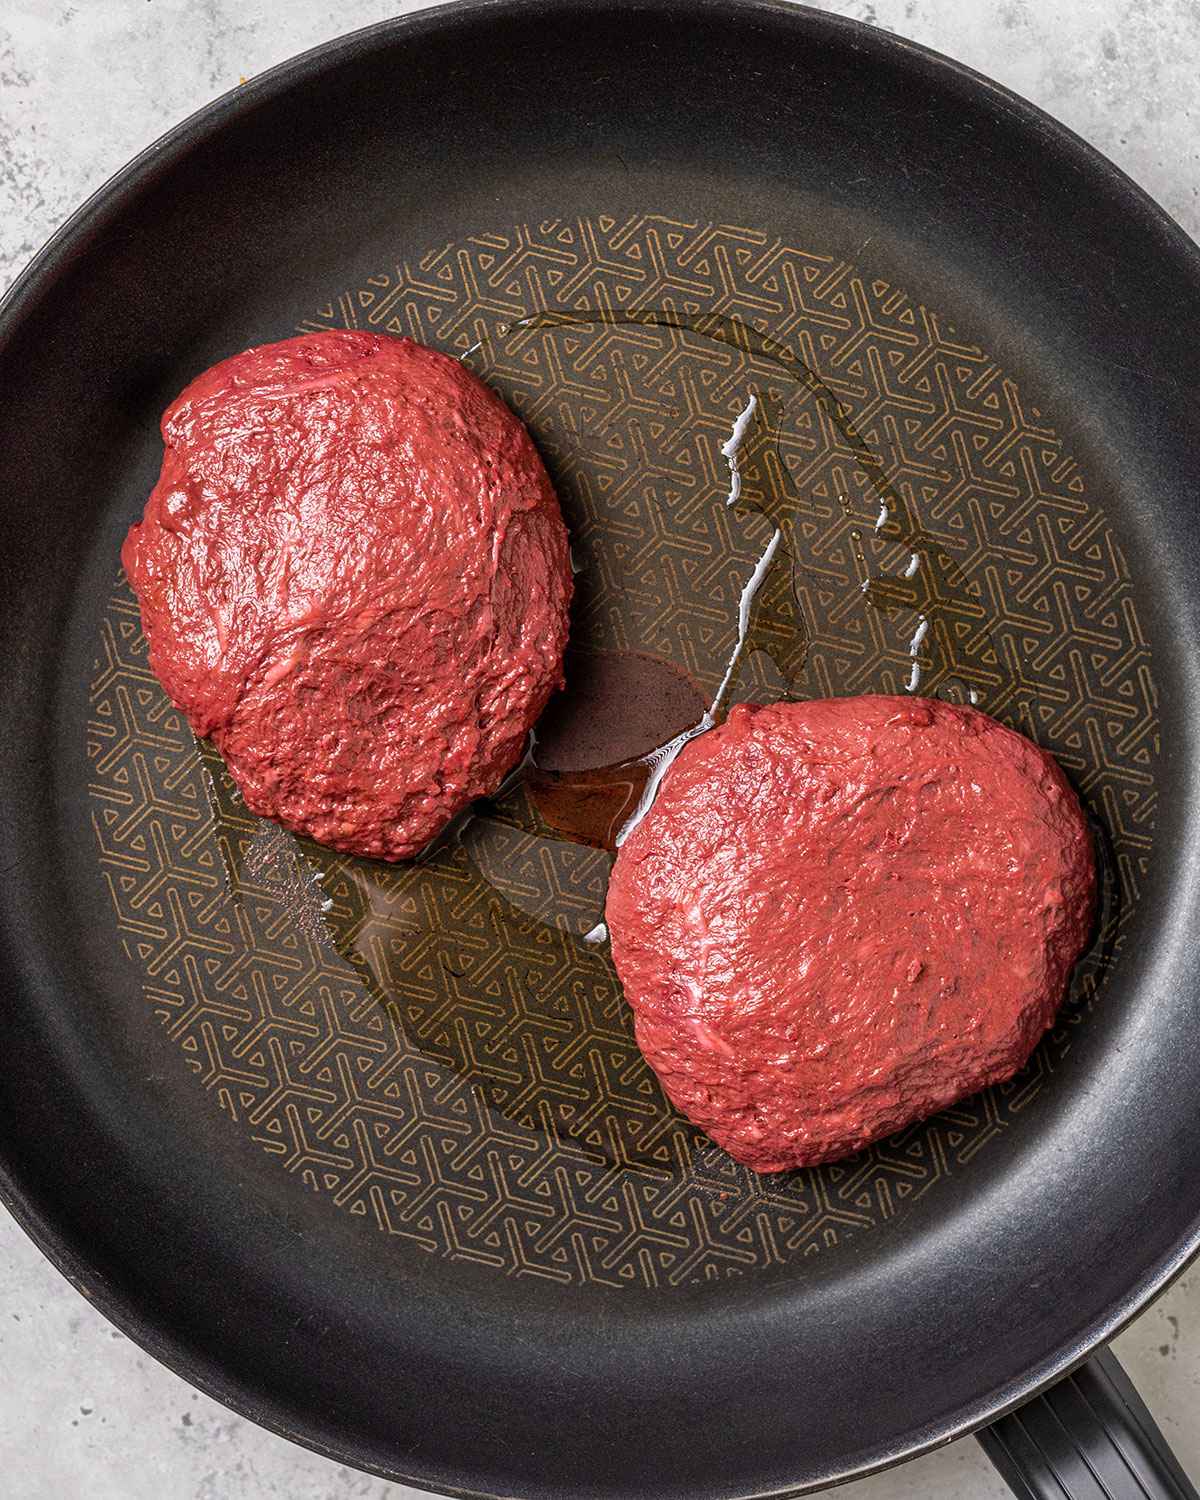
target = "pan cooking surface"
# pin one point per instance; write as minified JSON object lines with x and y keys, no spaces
{"x":442,"y":1052}
{"x":367,"y":1151}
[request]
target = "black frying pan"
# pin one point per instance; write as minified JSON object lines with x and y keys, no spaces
{"x":389,"y":1177}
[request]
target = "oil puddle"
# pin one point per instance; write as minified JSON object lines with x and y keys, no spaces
{"x":489,"y":953}
{"x":948,"y":617}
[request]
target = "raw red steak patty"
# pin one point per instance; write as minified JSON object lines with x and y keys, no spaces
{"x":353,"y":576}
{"x":841,"y":916}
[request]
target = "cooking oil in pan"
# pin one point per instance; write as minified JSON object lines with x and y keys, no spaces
{"x":413,"y":934}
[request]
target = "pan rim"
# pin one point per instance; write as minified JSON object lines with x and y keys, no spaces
{"x":36,"y":281}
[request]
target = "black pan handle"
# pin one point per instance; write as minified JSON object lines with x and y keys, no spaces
{"x":1089,"y":1437}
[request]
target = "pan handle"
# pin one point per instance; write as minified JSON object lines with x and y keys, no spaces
{"x":1089,"y":1437}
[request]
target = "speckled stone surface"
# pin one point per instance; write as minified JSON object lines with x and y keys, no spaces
{"x":83,"y":87}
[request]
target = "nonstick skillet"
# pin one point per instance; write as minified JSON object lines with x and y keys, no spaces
{"x":383,"y":1170}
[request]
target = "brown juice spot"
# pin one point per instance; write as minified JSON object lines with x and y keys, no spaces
{"x":591,"y":764}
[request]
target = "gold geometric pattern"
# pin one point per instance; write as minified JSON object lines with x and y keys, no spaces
{"x":432,"y":1046}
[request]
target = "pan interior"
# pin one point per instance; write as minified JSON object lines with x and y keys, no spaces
{"x":442,"y":1048}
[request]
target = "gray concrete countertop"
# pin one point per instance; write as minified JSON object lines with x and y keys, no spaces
{"x":82,"y":88}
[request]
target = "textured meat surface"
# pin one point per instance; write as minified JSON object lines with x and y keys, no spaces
{"x":840,"y":916}
{"x":354,"y":578}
